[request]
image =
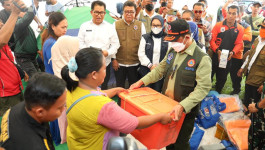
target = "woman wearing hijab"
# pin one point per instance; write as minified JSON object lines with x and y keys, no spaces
{"x":62,"y":51}
{"x":153,"y":49}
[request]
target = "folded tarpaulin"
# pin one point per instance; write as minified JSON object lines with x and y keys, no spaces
{"x":231,"y":104}
{"x":237,"y":131}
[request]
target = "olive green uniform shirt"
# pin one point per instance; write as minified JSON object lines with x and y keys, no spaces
{"x":203,"y":78}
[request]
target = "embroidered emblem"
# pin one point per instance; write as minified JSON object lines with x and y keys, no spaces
{"x":223,"y":29}
{"x":189,"y":68}
{"x":191,"y":63}
{"x":135,"y":27}
{"x":236,"y":30}
{"x":252,"y":47}
{"x":169,"y":57}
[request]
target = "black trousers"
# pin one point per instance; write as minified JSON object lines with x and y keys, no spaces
{"x":221,"y":73}
{"x":236,"y":81}
{"x":251,"y":92}
{"x":104,"y":85}
{"x":126,"y":72}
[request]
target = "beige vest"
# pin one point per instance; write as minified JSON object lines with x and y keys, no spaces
{"x":146,"y":20}
{"x":256,"y":75}
{"x":129,"y":37}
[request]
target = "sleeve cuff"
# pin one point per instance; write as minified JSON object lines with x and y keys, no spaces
{"x":185,"y":105}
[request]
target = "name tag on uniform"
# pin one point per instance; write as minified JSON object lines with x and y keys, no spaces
{"x":88,"y":30}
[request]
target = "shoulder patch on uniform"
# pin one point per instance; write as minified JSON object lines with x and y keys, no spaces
{"x":169,"y":57}
{"x":5,"y":127}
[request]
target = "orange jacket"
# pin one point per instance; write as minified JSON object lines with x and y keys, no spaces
{"x":230,"y":38}
{"x":246,"y":37}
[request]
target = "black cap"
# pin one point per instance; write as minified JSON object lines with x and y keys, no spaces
{"x":175,"y":29}
{"x":262,"y":25}
{"x":256,"y":3}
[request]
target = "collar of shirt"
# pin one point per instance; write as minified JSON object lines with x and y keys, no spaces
{"x":41,"y":129}
{"x":127,"y":22}
{"x":145,"y":14}
{"x":190,"y":49}
{"x":92,"y":23}
{"x":225,"y":23}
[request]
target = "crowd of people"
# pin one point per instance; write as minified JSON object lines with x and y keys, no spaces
{"x":175,"y":52}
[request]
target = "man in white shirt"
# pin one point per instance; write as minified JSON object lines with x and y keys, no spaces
{"x":254,"y":68}
{"x":126,"y":60}
{"x":100,"y":34}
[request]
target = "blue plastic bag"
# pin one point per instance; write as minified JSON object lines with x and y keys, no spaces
{"x":228,"y":145}
{"x":208,"y":114}
{"x":196,"y":137}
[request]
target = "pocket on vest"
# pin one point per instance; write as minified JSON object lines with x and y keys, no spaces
{"x":187,"y":78}
{"x":121,"y":34}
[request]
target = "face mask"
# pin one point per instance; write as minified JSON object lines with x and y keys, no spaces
{"x":262,"y":33}
{"x":177,"y":46}
{"x":149,"y":7}
{"x":156,"y":30}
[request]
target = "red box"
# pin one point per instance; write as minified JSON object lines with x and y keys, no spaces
{"x":146,"y":101}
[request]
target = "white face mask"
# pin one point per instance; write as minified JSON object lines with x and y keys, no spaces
{"x":156,"y":30}
{"x":177,"y":46}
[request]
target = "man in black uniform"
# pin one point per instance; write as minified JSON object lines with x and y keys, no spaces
{"x":25,"y":126}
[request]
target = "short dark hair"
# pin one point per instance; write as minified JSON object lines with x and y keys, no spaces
{"x":234,"y":7}
{"x":198,"y":4}
{"x":43,"y":90}
{"x":130,"y":4}
{"x":100,"y":3}
{"x":88,"y":60}
{"x":190,"y":12}
{"x":205,"y":1}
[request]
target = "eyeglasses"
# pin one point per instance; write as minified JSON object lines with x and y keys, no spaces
{"x":156,"y":25}
{"x":99,"y":13}
{"x":129,"y":12}
{"x":197,"y":11}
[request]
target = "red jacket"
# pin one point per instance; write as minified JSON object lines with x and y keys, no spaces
{"x":10,"y":81}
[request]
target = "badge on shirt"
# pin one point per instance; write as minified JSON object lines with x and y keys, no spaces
{"x":169,"y":57}
{"x":135,"y":27}
{"x":236,"y":30}
{"x":190,"y":64}
{"x":223,"y":29}
{"x":88,"y":30}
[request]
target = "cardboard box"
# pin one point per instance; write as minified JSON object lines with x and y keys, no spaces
{"x":146,"y":101}
{"x":223,"y":58}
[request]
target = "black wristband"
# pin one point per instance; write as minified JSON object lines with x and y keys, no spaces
{"x":257,"y":105}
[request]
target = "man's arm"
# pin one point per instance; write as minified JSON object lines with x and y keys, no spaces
{"x":247,"y":34}
{"x":214,"y":37}
{"x":114,"y":41}
{"x":8,"y":28}
{"x":81,"y":36}
{"x":157,"y":73}
{"x":239,"y":40}
{"x":204,"y":84}
{"x":25,"y":21}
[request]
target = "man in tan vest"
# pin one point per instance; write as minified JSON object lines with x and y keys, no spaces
{"x":254,"y":68}
{"x":125,"y":63}
{"x":147,"y":14}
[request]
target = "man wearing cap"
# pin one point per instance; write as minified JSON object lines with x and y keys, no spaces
{"x":187,"y":72}
{"x":253,"y":20}
{"x":253,"y":68}
{"x":226,"y":35}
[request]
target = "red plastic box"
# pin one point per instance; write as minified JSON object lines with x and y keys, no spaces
{"x":146,"y":101}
